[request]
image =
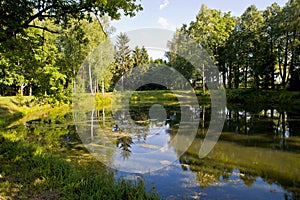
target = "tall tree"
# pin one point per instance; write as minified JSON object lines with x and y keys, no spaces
{"x":140,"y":62}
{"x":269,"y":30}
{"x":100,"y":61}
{"x":211,"y":29}
{"x":140,"y":56}
{"x":287,"y":33}
{"x":19,"y":64}
{"x":179,"y":46}
{"x":291,"y":32}
{"x":249,"y":52}
{"x":123,"y":61}
{"x":78,"y":42}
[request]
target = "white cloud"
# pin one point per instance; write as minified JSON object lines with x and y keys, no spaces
{"x":164,"y":22}
{"x":164,"y":4}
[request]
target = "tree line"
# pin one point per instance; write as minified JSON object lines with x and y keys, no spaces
{"x":259,"y":49}
{"x":43,"y":45}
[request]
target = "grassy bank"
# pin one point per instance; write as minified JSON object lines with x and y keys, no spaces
{"x":36,"y":165}
{"x":16,"y":110}
{"x":29,"y":171}
{"x":161,"y":97}
{"x":239,"y":96}
{"x":273,"y":97}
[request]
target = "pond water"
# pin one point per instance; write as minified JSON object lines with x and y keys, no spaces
{"x":256,"y":157}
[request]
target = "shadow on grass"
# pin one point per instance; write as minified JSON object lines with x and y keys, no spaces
{"x":8,"y":116}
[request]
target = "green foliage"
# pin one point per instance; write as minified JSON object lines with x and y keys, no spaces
{"x":126,"y":60}
{"x":42,"y":48}
{"x":140,"y":56}
{"x":259,"y":49}
{"x":50,"y":63}
{"x":59,"y":12}
{"x":211,"y":30}
{"x":123,"y":61}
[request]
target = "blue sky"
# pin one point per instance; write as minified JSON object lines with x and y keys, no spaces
{"x":171,"y":14}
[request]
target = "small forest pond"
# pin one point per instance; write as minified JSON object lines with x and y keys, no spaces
{"x":256,"y":157}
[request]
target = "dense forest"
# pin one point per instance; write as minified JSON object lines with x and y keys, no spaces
{"x":44,"y":43}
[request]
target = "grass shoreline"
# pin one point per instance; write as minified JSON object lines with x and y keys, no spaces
{"x":273,"y":97}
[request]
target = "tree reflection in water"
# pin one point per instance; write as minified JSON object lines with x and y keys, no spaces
{"x":255,"y":144}
{"x":124,"y":144}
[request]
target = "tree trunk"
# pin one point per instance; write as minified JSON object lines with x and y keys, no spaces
{"x":272,"y":68}
{"x":224,"y":75}
{"x":245,"y":122}
{"x":122,"y":78}
{"x":230,"y":76}
{"x":91,"y":80}
{"x":22,"y":89}
{"x":283,"y":124}
{"x":285,"y":64}
{"x":246,"y":75}
{"x":103,"y":116}
{"x":203,"y":118}
{"x":292,"y":66}
{"x":102,"y":88}
{"x":30,"y":90}
{"x":203,"y":79}
{"x":236,"y":78}
{"x":96,"y":86}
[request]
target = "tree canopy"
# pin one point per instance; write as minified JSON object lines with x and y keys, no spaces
{"x":259,"y":49}
{"x":16,"y":15}
{"x":44,"y":42}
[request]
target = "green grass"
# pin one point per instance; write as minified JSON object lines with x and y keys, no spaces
{"x":159,"y":96}
{"x":16,"y":110}
{"x":243,"y":96}
{"x":139,"y":97}
{"x":28,"y":171}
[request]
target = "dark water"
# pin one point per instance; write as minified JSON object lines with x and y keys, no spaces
{"x":256,"y":157}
